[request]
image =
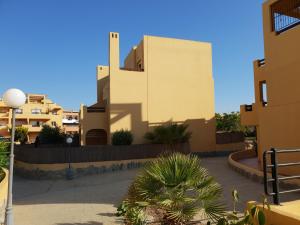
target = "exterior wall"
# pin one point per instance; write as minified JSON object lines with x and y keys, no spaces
{"x":163,"y":80}
{"x":286,"y":213}
{"x":50,"y":113}
{"x":278,"y":122}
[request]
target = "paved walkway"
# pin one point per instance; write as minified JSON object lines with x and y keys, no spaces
{"x":92,"y":200}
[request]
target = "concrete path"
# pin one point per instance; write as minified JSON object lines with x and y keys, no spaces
{"x":92,"y":200}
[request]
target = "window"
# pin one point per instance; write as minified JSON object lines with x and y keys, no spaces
{"x":54,"y":112}
{"x":19,"y":111}
{"x":53,"y":123}
{"x":36,"y":111}
{"x":263,"y":93}
{"x":35,"y":123}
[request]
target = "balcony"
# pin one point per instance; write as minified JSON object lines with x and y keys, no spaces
{"x":248,"y":115}
{"x":32,"y":128}
{"x":42,"y":116}
{"x":285,"y":15}
{"x":4,"y":115}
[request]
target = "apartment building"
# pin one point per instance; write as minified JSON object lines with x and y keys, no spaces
{"x":163,"y":79}
{"x":38,"y":110}
{"x":276,"y":110}
{"x":70,"y":121}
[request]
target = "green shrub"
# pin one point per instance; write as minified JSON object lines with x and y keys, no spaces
{"x":169,"y":134}
{"x":231,"y":122}
{"x":51,"y":135}
{"x":252,"y":215}
{"x":122,"y":137}
{"x":175,"y":188}
{"x":21,"y":134}
{"x":2,"y":174}
{"x":4,"y":153}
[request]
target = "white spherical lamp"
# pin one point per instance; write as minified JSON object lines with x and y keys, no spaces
{"x":69,"y":140}
{"x":14,"y":98}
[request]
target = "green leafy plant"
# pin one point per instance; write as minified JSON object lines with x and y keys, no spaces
{"x":4,"y":153}
{"x":122,"y":137}
{"x":51,"y":135}
{"x":2,"y":174}
{"x":21,"y":134}
{"x":169,"y":134}
{"x":176,"y":187}
{"x":133,"y":214}
{"x":253,"y":215}
{"x":231,"y":122}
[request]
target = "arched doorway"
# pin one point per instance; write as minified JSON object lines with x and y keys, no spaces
{"x":96,"y":137}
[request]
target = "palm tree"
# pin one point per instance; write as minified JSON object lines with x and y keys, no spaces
{"x":176,"y":187}
{"x":170,"y":135}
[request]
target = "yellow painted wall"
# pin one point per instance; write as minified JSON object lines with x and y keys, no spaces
{"x":163,"y":80}
{"x":277,"y":123}
{"x":285,"y":214}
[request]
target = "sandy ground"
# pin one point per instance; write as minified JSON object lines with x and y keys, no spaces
{"x":92,"y":200}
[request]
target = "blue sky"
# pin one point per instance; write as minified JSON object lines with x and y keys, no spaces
{"x":53,"y":46}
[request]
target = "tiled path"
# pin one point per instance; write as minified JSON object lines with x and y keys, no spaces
{"x":92,"y":200}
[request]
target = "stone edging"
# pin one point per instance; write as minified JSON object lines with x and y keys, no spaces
{"x":59,"y":171}
{"x":252,"y":173}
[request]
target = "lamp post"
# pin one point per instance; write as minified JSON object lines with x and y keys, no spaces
{"x":69,"y":174}
{"x":13,"y":98}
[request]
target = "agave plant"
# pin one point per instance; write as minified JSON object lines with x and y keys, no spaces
{"x":178,"y":188}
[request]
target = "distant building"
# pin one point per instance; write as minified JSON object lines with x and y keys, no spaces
{"x":163,"y":79}
{"x":276,"y":110}
{"x":38,"y":110}
{"x":70,"y":121}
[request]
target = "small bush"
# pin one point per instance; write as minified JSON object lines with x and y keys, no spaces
{"x":2,"y":174}
{"x":21,"y":134}
{"x":122,"y":137}
{"x":4,"y":152}
{"x":172,"y":189}
{"x":169,"y":134}
{"x":51,"y":135}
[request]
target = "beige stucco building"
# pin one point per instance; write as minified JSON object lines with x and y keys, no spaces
{"x":38,"y":110}
{"x":162,"y":79}
{"x":276,"y":111}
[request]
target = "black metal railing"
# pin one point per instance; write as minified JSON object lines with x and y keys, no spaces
{"x":95,"y":109}
{"x":273,"y":168}
{"x":285,"y":15}
{"x":248,"y":108}
{"x":261,"y":62}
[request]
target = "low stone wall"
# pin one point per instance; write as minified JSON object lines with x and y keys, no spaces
{"x":253,"y":173}
{"x":3,"y":196}
{"x":59,"y":171}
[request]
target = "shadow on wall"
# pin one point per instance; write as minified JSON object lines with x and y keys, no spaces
{"x":131,"y":117}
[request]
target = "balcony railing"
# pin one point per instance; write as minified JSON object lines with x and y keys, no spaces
{"x":285,"y":15}
{"x":261,"y":62}
{"x":95,"y":109}
{"x":275,"y":179}
{"x":248,"y":108}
